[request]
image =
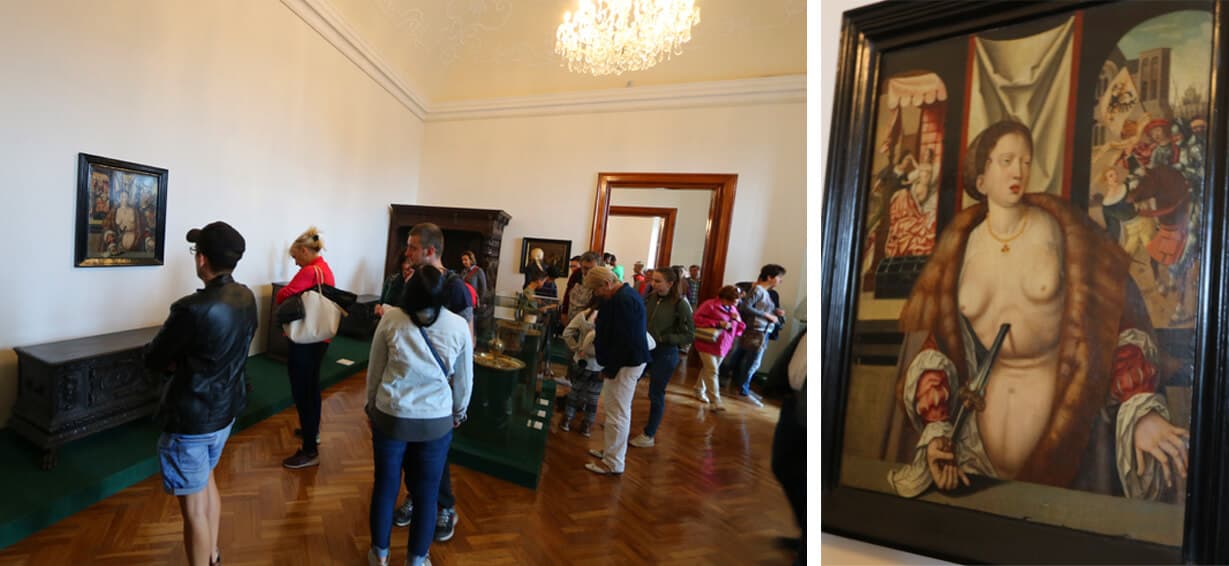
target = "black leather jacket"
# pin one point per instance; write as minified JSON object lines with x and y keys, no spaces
{"x":204,"y":344}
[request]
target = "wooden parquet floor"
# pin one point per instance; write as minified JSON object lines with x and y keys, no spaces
{"x":704,"y":495}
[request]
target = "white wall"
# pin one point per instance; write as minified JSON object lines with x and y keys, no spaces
{"x":259,"y":120}
{"x":690,"y":226}
{"x":543,"y":171}
{"x":632,"y":237}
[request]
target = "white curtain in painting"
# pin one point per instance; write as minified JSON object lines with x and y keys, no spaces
{"x":1029,"y":80}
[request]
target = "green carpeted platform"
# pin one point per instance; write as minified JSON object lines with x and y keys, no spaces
{"x":94,"y":468}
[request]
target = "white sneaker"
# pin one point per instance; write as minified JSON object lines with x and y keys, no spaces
{"x":374,"y":560}
{"x":642,"y":441}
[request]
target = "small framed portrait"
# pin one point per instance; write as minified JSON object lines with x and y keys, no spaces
{"x":549,"y":255}
{"x":121,"y":213}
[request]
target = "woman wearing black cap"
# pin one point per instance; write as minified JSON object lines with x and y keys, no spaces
{"x":419,"y":380}
{"x":303,"y":360}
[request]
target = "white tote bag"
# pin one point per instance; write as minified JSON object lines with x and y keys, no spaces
{"x":321,"y":317}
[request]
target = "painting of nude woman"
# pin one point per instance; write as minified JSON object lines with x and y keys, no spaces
{"x":1038,"y":363}
{"x":121,"y":213}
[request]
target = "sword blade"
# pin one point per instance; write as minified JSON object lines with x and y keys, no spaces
{"x":983,"y":375}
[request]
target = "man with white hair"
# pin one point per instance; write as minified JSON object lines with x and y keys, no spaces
{"x":621,"y":345}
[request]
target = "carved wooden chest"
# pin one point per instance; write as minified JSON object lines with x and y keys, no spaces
{"x":74,"y":388}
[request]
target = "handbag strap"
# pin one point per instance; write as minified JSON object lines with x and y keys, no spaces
{"x":319,"y":279}
{"x":434,"y":354}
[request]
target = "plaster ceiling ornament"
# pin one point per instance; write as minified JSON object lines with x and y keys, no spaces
{"x":605,"y":37}
{"x":454,"y":27}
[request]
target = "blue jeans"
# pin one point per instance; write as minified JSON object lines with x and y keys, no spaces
{"x":423,"y":463}
{"x":661,"y":368}
{"x":750,"y":364}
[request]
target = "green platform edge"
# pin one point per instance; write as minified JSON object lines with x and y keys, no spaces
{"x":99,"y":466}
{"x":522,"y":467}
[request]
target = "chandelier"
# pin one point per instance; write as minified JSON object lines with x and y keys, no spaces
{"x":607,"y":37}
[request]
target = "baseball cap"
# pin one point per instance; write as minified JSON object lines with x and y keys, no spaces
{"x":219,"y":242}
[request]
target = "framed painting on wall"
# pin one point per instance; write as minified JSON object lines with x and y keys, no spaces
{"x":121,"y":213}
{"x":1023,"y":241}
{"x":549,"y":255}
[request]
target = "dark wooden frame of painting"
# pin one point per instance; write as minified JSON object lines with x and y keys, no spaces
{"x":81,"y":238}
{"x":961,"y":534}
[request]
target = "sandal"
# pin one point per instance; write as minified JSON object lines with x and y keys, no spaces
{"x":601,"y":470}
{"x":597,"y":454}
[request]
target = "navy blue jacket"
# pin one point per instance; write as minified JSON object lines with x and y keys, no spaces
{"x":619,"y":337}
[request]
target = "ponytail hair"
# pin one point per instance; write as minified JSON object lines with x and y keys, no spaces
{"x":678,"y":285}
{"x":310,"y":240}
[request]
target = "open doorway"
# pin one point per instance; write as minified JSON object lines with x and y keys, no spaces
{"x":643,"y":233}
{"x":703,"y":205}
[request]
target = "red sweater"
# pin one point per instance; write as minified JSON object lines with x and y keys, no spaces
{"x":306,"y":279}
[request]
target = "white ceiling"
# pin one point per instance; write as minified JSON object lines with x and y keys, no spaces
{"x":459,"y":50}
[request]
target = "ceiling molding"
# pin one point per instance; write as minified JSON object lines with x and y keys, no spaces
{"x":790,"y":88}
{"x":320,"y":16}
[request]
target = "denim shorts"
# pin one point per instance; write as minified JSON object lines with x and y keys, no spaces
{"x":187,"y":459}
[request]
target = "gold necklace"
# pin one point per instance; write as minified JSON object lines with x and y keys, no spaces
{"x":1005,"y":240}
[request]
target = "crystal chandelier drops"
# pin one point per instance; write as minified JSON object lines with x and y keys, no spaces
{"x":605,"y":37}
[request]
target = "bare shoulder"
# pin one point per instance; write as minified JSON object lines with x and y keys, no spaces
{"x":1044,"y":225}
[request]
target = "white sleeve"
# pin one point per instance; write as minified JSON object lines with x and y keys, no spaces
{"x":913,"y":478}
{"x":462,"y":378}
{"x":378,"y":358}
{"x":571,"y":334}
{"x":1148,"y":483}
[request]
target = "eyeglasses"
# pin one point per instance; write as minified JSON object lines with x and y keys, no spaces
{"x":192,"y":250}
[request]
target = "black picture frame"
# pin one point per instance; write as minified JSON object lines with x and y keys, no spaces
{"x":961,"y":534}
{"x":113,"y":227}
{"x":556,"y":254}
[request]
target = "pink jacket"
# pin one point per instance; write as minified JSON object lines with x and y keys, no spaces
{"x":713,"y":314}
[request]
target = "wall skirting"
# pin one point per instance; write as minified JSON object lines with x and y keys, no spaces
{"x":322,"y":17}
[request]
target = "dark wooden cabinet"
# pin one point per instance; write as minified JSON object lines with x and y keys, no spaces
{"x":275,"y":340}
{"x":361,"y":320}
{"x":475,"y":229}
{"x":74,"y":388}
